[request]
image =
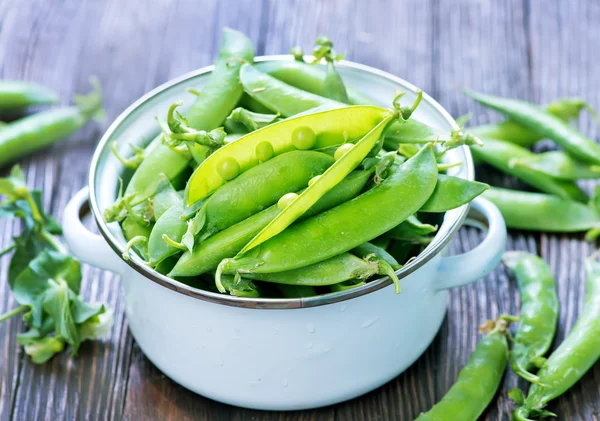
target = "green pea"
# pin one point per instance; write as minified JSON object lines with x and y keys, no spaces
{"x":342,"y":150}
{"x":313,"y":180}
{"x":229,"y":168}
{"x":304,"y":137}
{"x":264,"y":151}
{"x":286,"y":199}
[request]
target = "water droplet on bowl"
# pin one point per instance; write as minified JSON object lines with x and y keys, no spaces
{"x":284,"y":382}
{"x":343,"y":308}
{"x":310,"y":327}
{"x":309,"y":345}
{"x":369,"y":322}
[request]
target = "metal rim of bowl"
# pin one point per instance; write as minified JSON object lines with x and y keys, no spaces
{"x":139,"y":265}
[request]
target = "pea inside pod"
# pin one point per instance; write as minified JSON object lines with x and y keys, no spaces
{"x":331,"y":128}
{"x":326,"y":181}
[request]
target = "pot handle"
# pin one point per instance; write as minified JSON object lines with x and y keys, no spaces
{"x":455,"y":271}
{"x":88,"y":247}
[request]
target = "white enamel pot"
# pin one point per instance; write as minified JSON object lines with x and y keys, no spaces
{"x":281,"y":354}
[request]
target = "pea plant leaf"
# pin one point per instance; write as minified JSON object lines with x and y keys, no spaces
{"x":44,"y":279}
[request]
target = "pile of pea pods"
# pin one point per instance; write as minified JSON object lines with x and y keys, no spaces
{"x":254,"y":191}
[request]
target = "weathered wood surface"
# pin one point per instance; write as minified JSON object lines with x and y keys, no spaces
{"x":533,"y":49}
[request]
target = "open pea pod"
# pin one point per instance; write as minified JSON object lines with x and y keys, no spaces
{"x":325,"y":182}
{"x":336,"y":230}
{"x":559,"y":165}
{"x":330,"y":128}
{"x":452,"y":192}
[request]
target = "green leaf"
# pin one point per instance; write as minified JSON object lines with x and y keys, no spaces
{"x":44,"y":272}
{"x":57,"y":303}
{"x":13,"y":185}
{"x":97,"y":327}
{"x":194,"y":227}
{"x":517,"y":396}
{"x":82,"y":311}
{"x":41,"y":350}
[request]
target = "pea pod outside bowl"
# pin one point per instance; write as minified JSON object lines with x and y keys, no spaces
{"x":297,"y":347}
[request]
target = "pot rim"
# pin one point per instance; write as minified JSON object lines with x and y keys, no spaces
{"x":436,"y":246}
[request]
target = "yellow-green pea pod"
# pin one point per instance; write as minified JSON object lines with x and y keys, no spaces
{"x":452,"y":192}
{"x":501,"y":154}
{"x":171,"y":225}
{"x":557,"y":164}
{"x":328,"y":272}
{"x":261,"y":187}
{"x":219,"y":96}
{"x":305,"y":84}
{"x":331,"y":128}
{"x":336,"y":231}
{"x":227,"y":243}
{"x":334,"y":174}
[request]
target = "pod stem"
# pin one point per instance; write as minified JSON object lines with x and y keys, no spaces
{"x":90,"y":105}
{"x":520,"y":371}
{"x":135,"y":240}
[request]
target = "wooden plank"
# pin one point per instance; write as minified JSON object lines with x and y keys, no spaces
{"x":564,"y":41}
{"x":483,"y":46}
{"x":151,"y":395}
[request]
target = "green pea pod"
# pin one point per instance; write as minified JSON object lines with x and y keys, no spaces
{"x":545,"y":124}
{"x":36,"y":131}
{"x":542,"y":212}
{"x":565,"y":109}
{"x":276,"y":95}
{"x":18,"y":94}
{"x":336,"y":231}
{"x":477,"y":382}
{"x":330,"y":128}
{"x":366,"y":249}
{"x":299,"y":79}
{"x":249,"y":194}
{"x":346,"y":285}
{"x":557,"y":164}
{"x":452,"y":192}
{"x":307,"y":77}
{"x":539,"y":312}
{"x":132,"y":229}
{"x":334,"y":174}
{"x":240,"y":287}
{"x":412,"y":230}
{"x":334,"y":85}
{"x":296,"y":291}
{"x":164,"y":197}
{"x":574,"y":356}
{"x":327,"y":272}
{"x":171,"y":225}
{"x":251,"y":120}
{"x":227,"y":243}
{"x":219,"y":96}
{"x":501,"y":155}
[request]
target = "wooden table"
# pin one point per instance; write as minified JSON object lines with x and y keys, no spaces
{"x":532,"y":49}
